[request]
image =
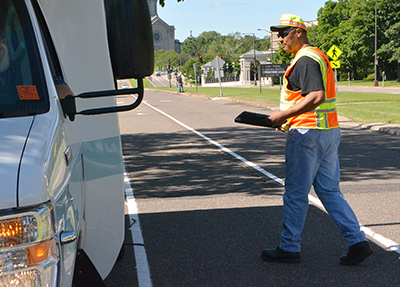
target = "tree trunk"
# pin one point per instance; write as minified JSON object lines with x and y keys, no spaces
{"x":355,"y":73}
{"x":398,"y":72}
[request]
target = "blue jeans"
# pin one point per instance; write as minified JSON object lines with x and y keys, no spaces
{"x":312,"y":160}
{"x":180,"y":88}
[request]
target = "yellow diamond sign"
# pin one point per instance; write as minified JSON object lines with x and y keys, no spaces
{"x":334,"y":52}
{"x":335,"y":64}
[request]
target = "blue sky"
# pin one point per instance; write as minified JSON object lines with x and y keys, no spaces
{"x":230,"y":16}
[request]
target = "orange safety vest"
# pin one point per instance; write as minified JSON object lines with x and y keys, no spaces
{"x":324,"y":116}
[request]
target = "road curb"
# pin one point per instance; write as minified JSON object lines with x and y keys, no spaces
{"x":382,"y":127}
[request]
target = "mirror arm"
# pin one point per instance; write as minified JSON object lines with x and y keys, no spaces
{"x":69,"y":106}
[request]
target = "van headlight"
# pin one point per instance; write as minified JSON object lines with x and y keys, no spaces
{"x":28,"y":250}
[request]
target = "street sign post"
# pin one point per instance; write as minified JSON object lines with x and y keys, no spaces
{"x":334,"y":53}
{"x":195,"y":74}
{"x":217,"y":63}
{"x":273,"y":70}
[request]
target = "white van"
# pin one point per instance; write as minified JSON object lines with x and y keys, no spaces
{"x":61,"y":169}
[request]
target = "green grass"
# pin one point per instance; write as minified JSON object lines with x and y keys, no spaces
{"x":357,"y":97}
{"x":359,"y":107}
{"x":146,"y":83}
{"x":372,"y":112}
{"x":369,"y":107}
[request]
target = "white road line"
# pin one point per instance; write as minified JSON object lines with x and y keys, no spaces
{"x":142,"y":265}
{"x":235,"y":155}
{"x":391,"y":245}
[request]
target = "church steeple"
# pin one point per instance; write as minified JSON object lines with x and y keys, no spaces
{"x":163,"y":34}
{"x":191,"y":36}
{"x":152,"y":7}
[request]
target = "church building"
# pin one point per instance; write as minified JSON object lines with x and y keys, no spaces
{"x":163,"y":34}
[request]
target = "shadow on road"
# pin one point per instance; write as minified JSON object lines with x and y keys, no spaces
{"x":364,"y":155}
{"x":180,"y":164}
{"x":222,"y":246}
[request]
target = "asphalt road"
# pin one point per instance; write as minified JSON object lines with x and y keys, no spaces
{"x":163,"y":81}
{"x":205,"y":216}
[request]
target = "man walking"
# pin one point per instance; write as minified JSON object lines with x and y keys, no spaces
{"x":308,"y":107}
{"x":180,"y":83}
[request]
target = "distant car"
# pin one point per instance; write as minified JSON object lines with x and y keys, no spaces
{"x":158,"y":74}
{"x":125,"y":86}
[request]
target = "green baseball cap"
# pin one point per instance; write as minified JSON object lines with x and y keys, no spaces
{"x":289,"y":20}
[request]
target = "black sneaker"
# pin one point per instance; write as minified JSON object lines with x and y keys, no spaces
{"x":279,"y":255}
{"x":357,"y":253}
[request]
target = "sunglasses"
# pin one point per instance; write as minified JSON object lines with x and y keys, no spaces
{"x":283,"y":34}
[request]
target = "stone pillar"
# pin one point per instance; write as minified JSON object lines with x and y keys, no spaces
{"x":245,"y":72}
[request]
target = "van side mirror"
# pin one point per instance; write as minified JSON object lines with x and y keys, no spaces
{"x":130,"y":38}
{"x":130,"y":41}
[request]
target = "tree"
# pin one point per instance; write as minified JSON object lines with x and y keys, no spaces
{"x":188,"y":70}
{"x":199,"y":45}
{"x":393,"y":46}
{"x":356,"y":37}
{"x":389,"y":24}
{"x":329,"y":18}
{"x":212,"y":43}
{"x":283,"y":56}
{"x":350,"y":24}
{"x":162,"y":2}
{"x":161,"y":59}
{"x":336,"y":22}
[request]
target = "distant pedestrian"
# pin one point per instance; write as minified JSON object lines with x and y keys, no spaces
{"x":308,"y":106}
{"x":180,"y":85}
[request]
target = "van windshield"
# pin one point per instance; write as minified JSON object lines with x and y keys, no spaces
{"x":22,"y":84}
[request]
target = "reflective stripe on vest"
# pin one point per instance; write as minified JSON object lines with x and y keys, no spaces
{"x":325,"y":115}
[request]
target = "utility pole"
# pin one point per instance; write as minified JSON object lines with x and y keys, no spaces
{"x":376,"y":44}
{"x":376,"y":47}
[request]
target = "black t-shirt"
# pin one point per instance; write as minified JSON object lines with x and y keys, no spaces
{"x":306,"y":76}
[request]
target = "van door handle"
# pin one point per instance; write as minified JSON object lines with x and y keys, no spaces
{"x":67,"y":237}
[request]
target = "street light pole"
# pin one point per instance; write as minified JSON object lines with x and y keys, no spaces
{"x":376,"y":47}
{"x":376,"y":44}
{"x":270,"y":40}
{"x":255,"y":65}
{"x":271,"y":48}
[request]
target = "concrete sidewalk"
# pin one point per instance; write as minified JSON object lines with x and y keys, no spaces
{"x":366,"y":89}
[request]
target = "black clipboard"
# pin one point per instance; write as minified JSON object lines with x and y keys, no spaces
{"x":255,"y":119}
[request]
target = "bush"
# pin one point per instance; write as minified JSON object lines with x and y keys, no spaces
{"x":370,"y":77}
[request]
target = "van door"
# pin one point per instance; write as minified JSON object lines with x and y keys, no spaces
{"x":79,"y":54}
